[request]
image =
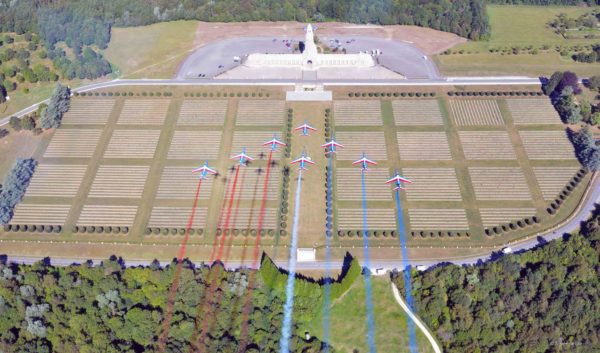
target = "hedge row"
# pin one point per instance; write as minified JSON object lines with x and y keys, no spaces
{"x":327,"y":123}
{"x":172,"y":231}
{"x":566,"y":192}
{"x":492,"y":93}
{"x":520,"y":224}
{"x":225,"y":94}
{"x":328,"y":187}
{"x":33,"y":228}
{"x":246,"y":232}
{"x":100,"y":229}
{"x":287,"y":151}
{"x":370,"y":233}
{"x":283,"y":205}
{"x":124,"y":94}
{"x":439,"y":234}
{"x":391,"y":94}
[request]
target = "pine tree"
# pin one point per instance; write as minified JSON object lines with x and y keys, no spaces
{"x":59,"y":104}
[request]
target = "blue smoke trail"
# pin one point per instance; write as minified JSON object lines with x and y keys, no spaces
{"x":286,"y":328}
{"x":369,"y":290}
{"x":412,"y":338}
{"x":328,"y":227}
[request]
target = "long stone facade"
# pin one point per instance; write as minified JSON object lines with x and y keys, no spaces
{"x":310,"y":59}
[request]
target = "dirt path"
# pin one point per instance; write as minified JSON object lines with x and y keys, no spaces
{"x":415,"y":319}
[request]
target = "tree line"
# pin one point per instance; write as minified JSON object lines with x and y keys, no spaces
{"x":543,"y":300}
{"x":563,"y":89}
{"x":110,"y":308}
{"x":14,"y":187}
{"x":545,"y":2}
{"x":85,"y":22}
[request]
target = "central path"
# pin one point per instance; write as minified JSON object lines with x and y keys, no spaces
{"x":311,"y":226}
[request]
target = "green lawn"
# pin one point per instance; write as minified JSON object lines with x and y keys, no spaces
{"x":518,"y":26}
{"x":152,"y":51}
{"x":525,"y":25}
{"x":348,"y":328}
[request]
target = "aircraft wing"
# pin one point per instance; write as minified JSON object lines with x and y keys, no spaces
{"x":204,"y":168}
{"x":398,"y":178}
{"x":364,"y":160}
{"x":302,"y":159}
{"x":243,"y":155}
{"x":332,"y":143}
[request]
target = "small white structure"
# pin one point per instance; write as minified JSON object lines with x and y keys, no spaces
{"x":380,"y":271}
{"x":507,"y":250}
{"x":310,"y":59}
{"x":306,"y":254}
{"x":309,"y":92}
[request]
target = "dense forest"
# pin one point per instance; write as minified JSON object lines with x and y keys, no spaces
{"x":110,"y":308}
{"x":544,"y":300}
{"x":84,"y":22}
{"x":546,"y":2}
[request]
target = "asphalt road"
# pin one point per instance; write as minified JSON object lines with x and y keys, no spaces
{"x":451,"y":81}
{"x":216,"y":58}
{"x":586,"y":207}
{"x":398,"y":56}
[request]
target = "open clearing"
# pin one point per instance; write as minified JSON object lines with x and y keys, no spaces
{"x":518,"y":26}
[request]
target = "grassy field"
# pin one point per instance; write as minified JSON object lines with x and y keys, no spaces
{"x":348,"y":321}
{"x":152,"y":51}
{"x":458,"y":183}
{"x":518,"y":26}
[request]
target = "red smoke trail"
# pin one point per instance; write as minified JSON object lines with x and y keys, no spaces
{"x":164,"y":336}
{"x":249,"y":223}
{"x":248,"y":297}
{"x":236,"y":303}
{"x":228,"y":216}
{"x":234,"y":219}
{"x":213,"y":279}
{"x":220,"y":222}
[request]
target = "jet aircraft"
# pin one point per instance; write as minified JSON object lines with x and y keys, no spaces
{"x":305,"y":128}
{"x":331,"y":146}
{"x":204,"y":171}
{"x":398,"y":180}
{"x":302,"y":161}
{"x":364,"y":163}
{"x":274,"y":143}
{"x":243,"y":157}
